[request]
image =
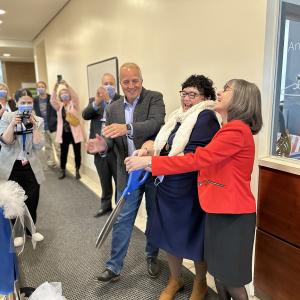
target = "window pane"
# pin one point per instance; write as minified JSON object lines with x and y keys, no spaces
{"x":286,"y":129}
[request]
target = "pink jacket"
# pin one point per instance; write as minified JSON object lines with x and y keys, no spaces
{"x":73,"y":108}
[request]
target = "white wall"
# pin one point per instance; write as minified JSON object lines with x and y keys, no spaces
{"x":169,"y":39}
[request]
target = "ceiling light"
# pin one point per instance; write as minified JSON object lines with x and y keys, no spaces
{"x":6,"y":54}
{"x":2,"y":12}
{"x":1,"y":21}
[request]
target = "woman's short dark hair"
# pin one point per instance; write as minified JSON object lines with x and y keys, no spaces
{"x":203,"y":84}
{"x":21,"y":93}
{"x":245,"y":104}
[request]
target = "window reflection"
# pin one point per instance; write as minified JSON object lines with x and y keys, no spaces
{"x":287,"y":115}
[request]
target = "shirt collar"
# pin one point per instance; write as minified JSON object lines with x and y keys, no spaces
{"x":133,"y":103}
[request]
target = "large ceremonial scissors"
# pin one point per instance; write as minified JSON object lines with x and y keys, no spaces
{"x":136,"y":178}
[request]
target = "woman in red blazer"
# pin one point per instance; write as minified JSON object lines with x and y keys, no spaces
{"x":225,"y":166}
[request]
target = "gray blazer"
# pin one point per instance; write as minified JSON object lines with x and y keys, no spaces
{"x":148,"y":117}
{"x":10,"y":152}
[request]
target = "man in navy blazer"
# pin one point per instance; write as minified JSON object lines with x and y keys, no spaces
{"x":131,"y":120}
{"x":106,"y":164}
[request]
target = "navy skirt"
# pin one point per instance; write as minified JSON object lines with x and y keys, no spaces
{"x":176,"y":224}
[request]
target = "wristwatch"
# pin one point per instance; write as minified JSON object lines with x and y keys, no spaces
{"x":128,"y":126}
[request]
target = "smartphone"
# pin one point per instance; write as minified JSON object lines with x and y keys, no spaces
{"x":59,"y":78}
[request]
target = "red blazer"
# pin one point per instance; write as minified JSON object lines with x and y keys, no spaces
{"x":225,"y":166}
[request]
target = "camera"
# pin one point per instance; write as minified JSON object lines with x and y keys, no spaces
{"x":25,"y":118}
{"x":24,"y":112}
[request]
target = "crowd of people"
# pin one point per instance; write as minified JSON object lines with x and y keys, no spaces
{"x":198,"y":200}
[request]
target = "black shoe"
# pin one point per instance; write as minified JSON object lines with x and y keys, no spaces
{"x":108,"y":276}
{"x":63,"y":174}
{"x":102,"y":212}
{"x":77,"y":174}
{"x":27,"y":291}
{"x":153,"y":266}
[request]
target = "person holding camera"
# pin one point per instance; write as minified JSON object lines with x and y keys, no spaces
{"x":44,"y":109}
{"x":66,"y":103}
{"x":106,"y":165}
{"x":22,"y":136}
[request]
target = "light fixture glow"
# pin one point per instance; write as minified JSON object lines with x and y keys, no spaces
{"x":2,"y":12}
{"x":6,"y":54}
{"x":1,"y":21}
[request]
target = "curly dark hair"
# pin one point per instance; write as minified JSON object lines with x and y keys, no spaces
{"x":203,"y":84}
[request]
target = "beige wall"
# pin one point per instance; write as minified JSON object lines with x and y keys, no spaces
{"x":18,"y":72}
{"x":169,"y":39}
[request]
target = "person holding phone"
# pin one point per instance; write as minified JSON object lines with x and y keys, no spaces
{"x":69,"y":131}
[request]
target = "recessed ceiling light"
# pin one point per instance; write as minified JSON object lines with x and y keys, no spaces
{"x":2,"y":12}
{"x":1,"y":21}
{"x":6,"y":54}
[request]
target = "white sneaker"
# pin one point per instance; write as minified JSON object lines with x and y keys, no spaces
{"x":18,"y":242}
{"x":37,"y":237}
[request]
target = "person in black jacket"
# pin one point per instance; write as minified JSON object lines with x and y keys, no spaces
{"x":106,"y":165}
{"x":43,"y":109}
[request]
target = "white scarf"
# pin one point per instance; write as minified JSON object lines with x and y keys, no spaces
{"x":12,"y":201}
{"x":188,"y":120}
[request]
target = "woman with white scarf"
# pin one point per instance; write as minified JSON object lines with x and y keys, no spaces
{"x":177,"y":223}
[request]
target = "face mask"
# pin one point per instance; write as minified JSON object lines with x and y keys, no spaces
{"x":25,"y":108}
{"x":65,"y":97}
{"x":41,"y":91}
{"x":110,"y":90}
{"x":3,"y":93}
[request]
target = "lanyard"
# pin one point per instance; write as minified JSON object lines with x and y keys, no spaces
{"x":24,"y":141}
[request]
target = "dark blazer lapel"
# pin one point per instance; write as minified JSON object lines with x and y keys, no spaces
{"x":139,"y":107}
{"x":120,"y":119}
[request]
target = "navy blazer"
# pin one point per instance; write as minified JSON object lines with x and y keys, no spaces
{"x":95,"y":116}
{"x":51,"y":113}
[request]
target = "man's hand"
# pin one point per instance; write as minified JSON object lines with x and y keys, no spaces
{"x":115,"y":130}
{"x":96,"y":145}
{"x":101,"y":95}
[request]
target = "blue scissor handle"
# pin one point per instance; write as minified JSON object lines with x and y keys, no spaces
{"x":135,"y":180}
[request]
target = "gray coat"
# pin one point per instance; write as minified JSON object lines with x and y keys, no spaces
{"x":148,"y":117}
{"x":10,"y":152}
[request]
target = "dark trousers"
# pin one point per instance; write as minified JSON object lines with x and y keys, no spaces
{"x":107,"y":170}
{"x":25,"y":177}
{"x":68,"y":139}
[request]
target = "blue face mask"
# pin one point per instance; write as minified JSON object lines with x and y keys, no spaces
{"x":65,"y":97}
{"x":41,"y":91}
{"x":110,"y":90}
{"x":3,"y":93}
{"x":25,"y":108}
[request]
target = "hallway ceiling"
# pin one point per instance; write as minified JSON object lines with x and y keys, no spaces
{"x":23,"y":21}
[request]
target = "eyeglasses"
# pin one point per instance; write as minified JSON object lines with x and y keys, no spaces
{"x":133,"y":81}
{"x":191,"y":95}
{"x":227,"y":88}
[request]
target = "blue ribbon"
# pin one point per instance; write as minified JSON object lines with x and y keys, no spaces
{"x":8,"y":261}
